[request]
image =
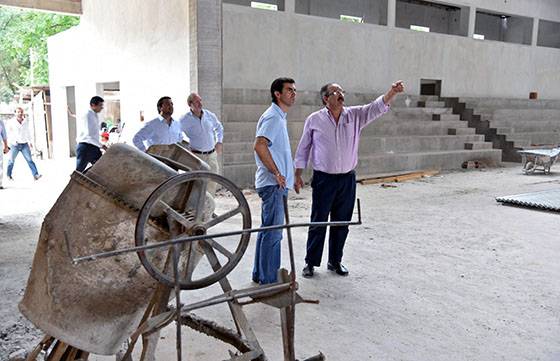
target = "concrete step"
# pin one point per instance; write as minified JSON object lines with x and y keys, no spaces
{"x":434,"y":104}
{"x":500,"y":103}
{"x":535,"y":137}
{"x":243,"y":175}
{"x":252,"y":112}
{"x":386,"y":163}
{"x":312,"y":97}
{"x":504,"y":130}
{"x":522,"y":114}
{"x":446,"y":116}
{"x":245,"y":131}
{"x":242,"y":153}
{"x":528,"y":126}
{"x":416,"y":128}
{"x":461,"y":131}
{"x":478,"y":145}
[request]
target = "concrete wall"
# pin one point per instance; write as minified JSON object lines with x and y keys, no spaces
{"x":143,"y":44}
{"x":372,"y":11}
{"x":367,"y":58}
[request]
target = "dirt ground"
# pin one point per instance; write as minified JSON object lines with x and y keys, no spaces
{"x":438,"y":271}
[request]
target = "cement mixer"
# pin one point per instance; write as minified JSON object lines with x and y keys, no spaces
{"x":125,"y":237}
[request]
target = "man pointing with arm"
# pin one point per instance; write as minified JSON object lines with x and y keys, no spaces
{"x":330,"y":142}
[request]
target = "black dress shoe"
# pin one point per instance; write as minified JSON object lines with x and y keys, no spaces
{"x":338,"y":268}
{"x":307,"y":271}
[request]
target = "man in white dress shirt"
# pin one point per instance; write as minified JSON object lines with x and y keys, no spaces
{"x":21,"y":140}
{"x":88,"y":126}
{"x":161,"y":130}
{"x":205,"y":134}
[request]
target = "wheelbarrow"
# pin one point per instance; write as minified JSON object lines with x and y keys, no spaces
{"x":538,"y":159}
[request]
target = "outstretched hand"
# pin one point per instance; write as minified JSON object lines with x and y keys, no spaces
{"x":398,"y":86}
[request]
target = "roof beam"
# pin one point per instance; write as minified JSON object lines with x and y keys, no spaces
{"x":70,"y":7}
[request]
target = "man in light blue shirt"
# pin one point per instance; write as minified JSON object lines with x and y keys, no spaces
{"x":205,"y":133}
{"x":274,"y":176}
{"x":161,"y":130}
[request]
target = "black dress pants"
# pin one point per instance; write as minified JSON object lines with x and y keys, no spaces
{"x":332,"y":194}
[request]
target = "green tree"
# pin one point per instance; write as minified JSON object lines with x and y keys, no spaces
{"x":23,"y":47}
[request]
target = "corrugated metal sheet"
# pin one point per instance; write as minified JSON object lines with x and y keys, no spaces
{"x":547,"y":200}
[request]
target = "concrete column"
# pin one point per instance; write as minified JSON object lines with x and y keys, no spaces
{"x":535,"y":35}
{"x":391,"y":13}
{"x":205,"y":41}
{"x":472,"y":21}
{"x":290,"y":6}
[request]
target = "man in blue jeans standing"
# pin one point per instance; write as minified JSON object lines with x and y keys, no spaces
{"x":274,"y":176}
{"x":20,"y":138}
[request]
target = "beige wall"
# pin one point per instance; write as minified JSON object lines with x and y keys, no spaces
{"x":143,"y":44}
{"x":260,"y":45}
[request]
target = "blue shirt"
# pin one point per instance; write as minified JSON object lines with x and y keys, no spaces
{"x":156,"y":131}
{"x":203,"y":132}
{"x":272,"y":125}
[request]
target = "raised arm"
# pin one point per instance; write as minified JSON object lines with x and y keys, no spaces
{"x":396,"y":88}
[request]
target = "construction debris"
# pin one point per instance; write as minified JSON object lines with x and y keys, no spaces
{"x":396,"y":178}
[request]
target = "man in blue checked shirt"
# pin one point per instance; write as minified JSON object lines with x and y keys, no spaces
{"x":161,"y":130}
{"x":205,"y":134}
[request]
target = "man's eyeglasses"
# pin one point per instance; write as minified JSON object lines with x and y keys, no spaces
{"x":336,"y":92}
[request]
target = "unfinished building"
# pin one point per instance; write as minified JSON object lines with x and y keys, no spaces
{"x":456,"y":58}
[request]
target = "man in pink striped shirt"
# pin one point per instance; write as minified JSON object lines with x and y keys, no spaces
{"x":330,"y":142}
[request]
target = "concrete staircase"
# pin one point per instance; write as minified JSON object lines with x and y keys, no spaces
{"x":511,"y":124}
{"x":425,"y":135}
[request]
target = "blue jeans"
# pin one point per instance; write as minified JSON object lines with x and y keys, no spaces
{"x":26,"y":151}
{"x":267,"y":253}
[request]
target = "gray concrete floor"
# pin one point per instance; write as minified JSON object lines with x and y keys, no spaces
{"x":438,"y":271}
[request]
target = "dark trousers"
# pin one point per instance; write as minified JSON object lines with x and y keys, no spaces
{"x":86,"y":153}
{"x":332,"y":194}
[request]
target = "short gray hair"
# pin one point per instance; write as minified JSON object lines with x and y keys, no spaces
{"x":190,"y":98}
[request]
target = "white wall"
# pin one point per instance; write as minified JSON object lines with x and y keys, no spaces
{"x":143,"y":44}
{"x":261,"y":45}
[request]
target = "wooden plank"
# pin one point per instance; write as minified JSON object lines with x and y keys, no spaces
{"x":58,"y":351}
{"x":398,"y":178}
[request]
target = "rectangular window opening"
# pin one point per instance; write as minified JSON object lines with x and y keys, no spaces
{"x":432,"y":17}
{"x":264,"y":6}
{"x":352,"y":19}
{"x":424,"y":29}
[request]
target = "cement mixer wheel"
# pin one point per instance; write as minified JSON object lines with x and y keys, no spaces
{"x":211,"y":247}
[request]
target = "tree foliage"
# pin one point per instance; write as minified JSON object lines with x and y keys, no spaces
{"x":23,"y":47}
